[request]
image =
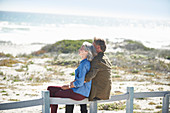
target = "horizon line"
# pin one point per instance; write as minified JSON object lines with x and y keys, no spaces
{"x":92,"y":15}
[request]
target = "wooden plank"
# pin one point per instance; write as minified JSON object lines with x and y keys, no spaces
{"x":115,"y":98}
{"x":21,"y":104}
{"x":54,"y":100}
{"x":150,"y":94}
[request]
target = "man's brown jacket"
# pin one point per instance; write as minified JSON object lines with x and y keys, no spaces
{"x":100,"y":74}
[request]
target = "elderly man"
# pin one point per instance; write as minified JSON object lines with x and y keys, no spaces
{"x":100,"y":73}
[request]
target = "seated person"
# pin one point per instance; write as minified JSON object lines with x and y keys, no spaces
{"x":77,"y":90}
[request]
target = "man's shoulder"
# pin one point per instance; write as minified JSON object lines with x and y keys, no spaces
{"x":96,"y":58}
{"x":105,"y":56}
{"x":101,"y":57}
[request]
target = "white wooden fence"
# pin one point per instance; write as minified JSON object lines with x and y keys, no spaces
{"x":45,"y":101}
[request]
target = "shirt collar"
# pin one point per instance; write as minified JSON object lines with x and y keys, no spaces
{"x":83,"y":60}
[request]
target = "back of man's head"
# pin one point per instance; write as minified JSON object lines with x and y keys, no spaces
{"x":101,"y":43}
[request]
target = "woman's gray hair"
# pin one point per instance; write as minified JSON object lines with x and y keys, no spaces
{"x":91,"y":50}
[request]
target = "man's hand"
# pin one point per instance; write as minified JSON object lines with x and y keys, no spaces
{"x":64,"y":87}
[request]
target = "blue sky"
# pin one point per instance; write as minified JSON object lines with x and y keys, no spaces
{"x":122,"y":8}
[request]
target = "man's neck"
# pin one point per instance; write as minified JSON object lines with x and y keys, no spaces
{"x":99,"y":51}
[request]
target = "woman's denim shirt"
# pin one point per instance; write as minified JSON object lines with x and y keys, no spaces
{"x":80,"y":73}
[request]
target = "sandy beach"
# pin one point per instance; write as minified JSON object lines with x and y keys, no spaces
{"x":27,"y":79}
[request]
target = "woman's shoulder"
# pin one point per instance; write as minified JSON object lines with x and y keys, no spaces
{"x":85,"y":62}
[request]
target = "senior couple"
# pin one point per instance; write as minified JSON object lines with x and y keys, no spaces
{"x":92,"y":77}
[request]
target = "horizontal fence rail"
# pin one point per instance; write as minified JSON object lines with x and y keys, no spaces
{"x":54,"y":100}
{"x":45,"y":101}
{"x":68,"y":101}
{"x":151,"y":94}
{"x":115,"y":98}
{"x":21,"y":104}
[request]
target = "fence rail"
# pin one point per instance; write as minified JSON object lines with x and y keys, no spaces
{"x":21,"y":104}
{"x":45,"y":101}
{"x":150,"y":94}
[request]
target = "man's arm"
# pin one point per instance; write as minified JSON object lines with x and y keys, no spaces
{"x":93,"y":71}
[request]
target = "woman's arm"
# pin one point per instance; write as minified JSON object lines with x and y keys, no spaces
{"x":64,"y":87}
{"x":82,"y":70}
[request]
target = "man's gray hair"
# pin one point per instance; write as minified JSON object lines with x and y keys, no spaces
{"x":91,"y":50}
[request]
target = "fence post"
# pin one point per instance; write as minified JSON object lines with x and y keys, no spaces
{"x":46,"y":102}
{"x":93,"y":107}
{"x":165,"y":107}
{"x":129,"y":102}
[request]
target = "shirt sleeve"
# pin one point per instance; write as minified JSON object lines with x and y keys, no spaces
{"x":93,"y":71}
{"x":83,"y":69}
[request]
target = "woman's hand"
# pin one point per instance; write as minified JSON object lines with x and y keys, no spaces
{"x":72,"y":82}
{"x":71,"y":85}
{"x":64,"y":87}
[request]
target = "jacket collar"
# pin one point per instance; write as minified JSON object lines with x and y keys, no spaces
{"x":100,"y":53}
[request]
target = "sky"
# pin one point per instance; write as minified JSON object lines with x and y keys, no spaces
{"x":120,"y":8}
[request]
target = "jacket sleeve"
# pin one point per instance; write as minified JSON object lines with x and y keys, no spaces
{"x":93,"y":71}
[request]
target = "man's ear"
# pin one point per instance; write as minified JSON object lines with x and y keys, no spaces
{"x":98,"y":47}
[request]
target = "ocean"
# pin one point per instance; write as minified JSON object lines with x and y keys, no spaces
{"x":31,"y":31}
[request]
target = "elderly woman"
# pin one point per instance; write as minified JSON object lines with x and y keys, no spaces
{"x":77,"y":90}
